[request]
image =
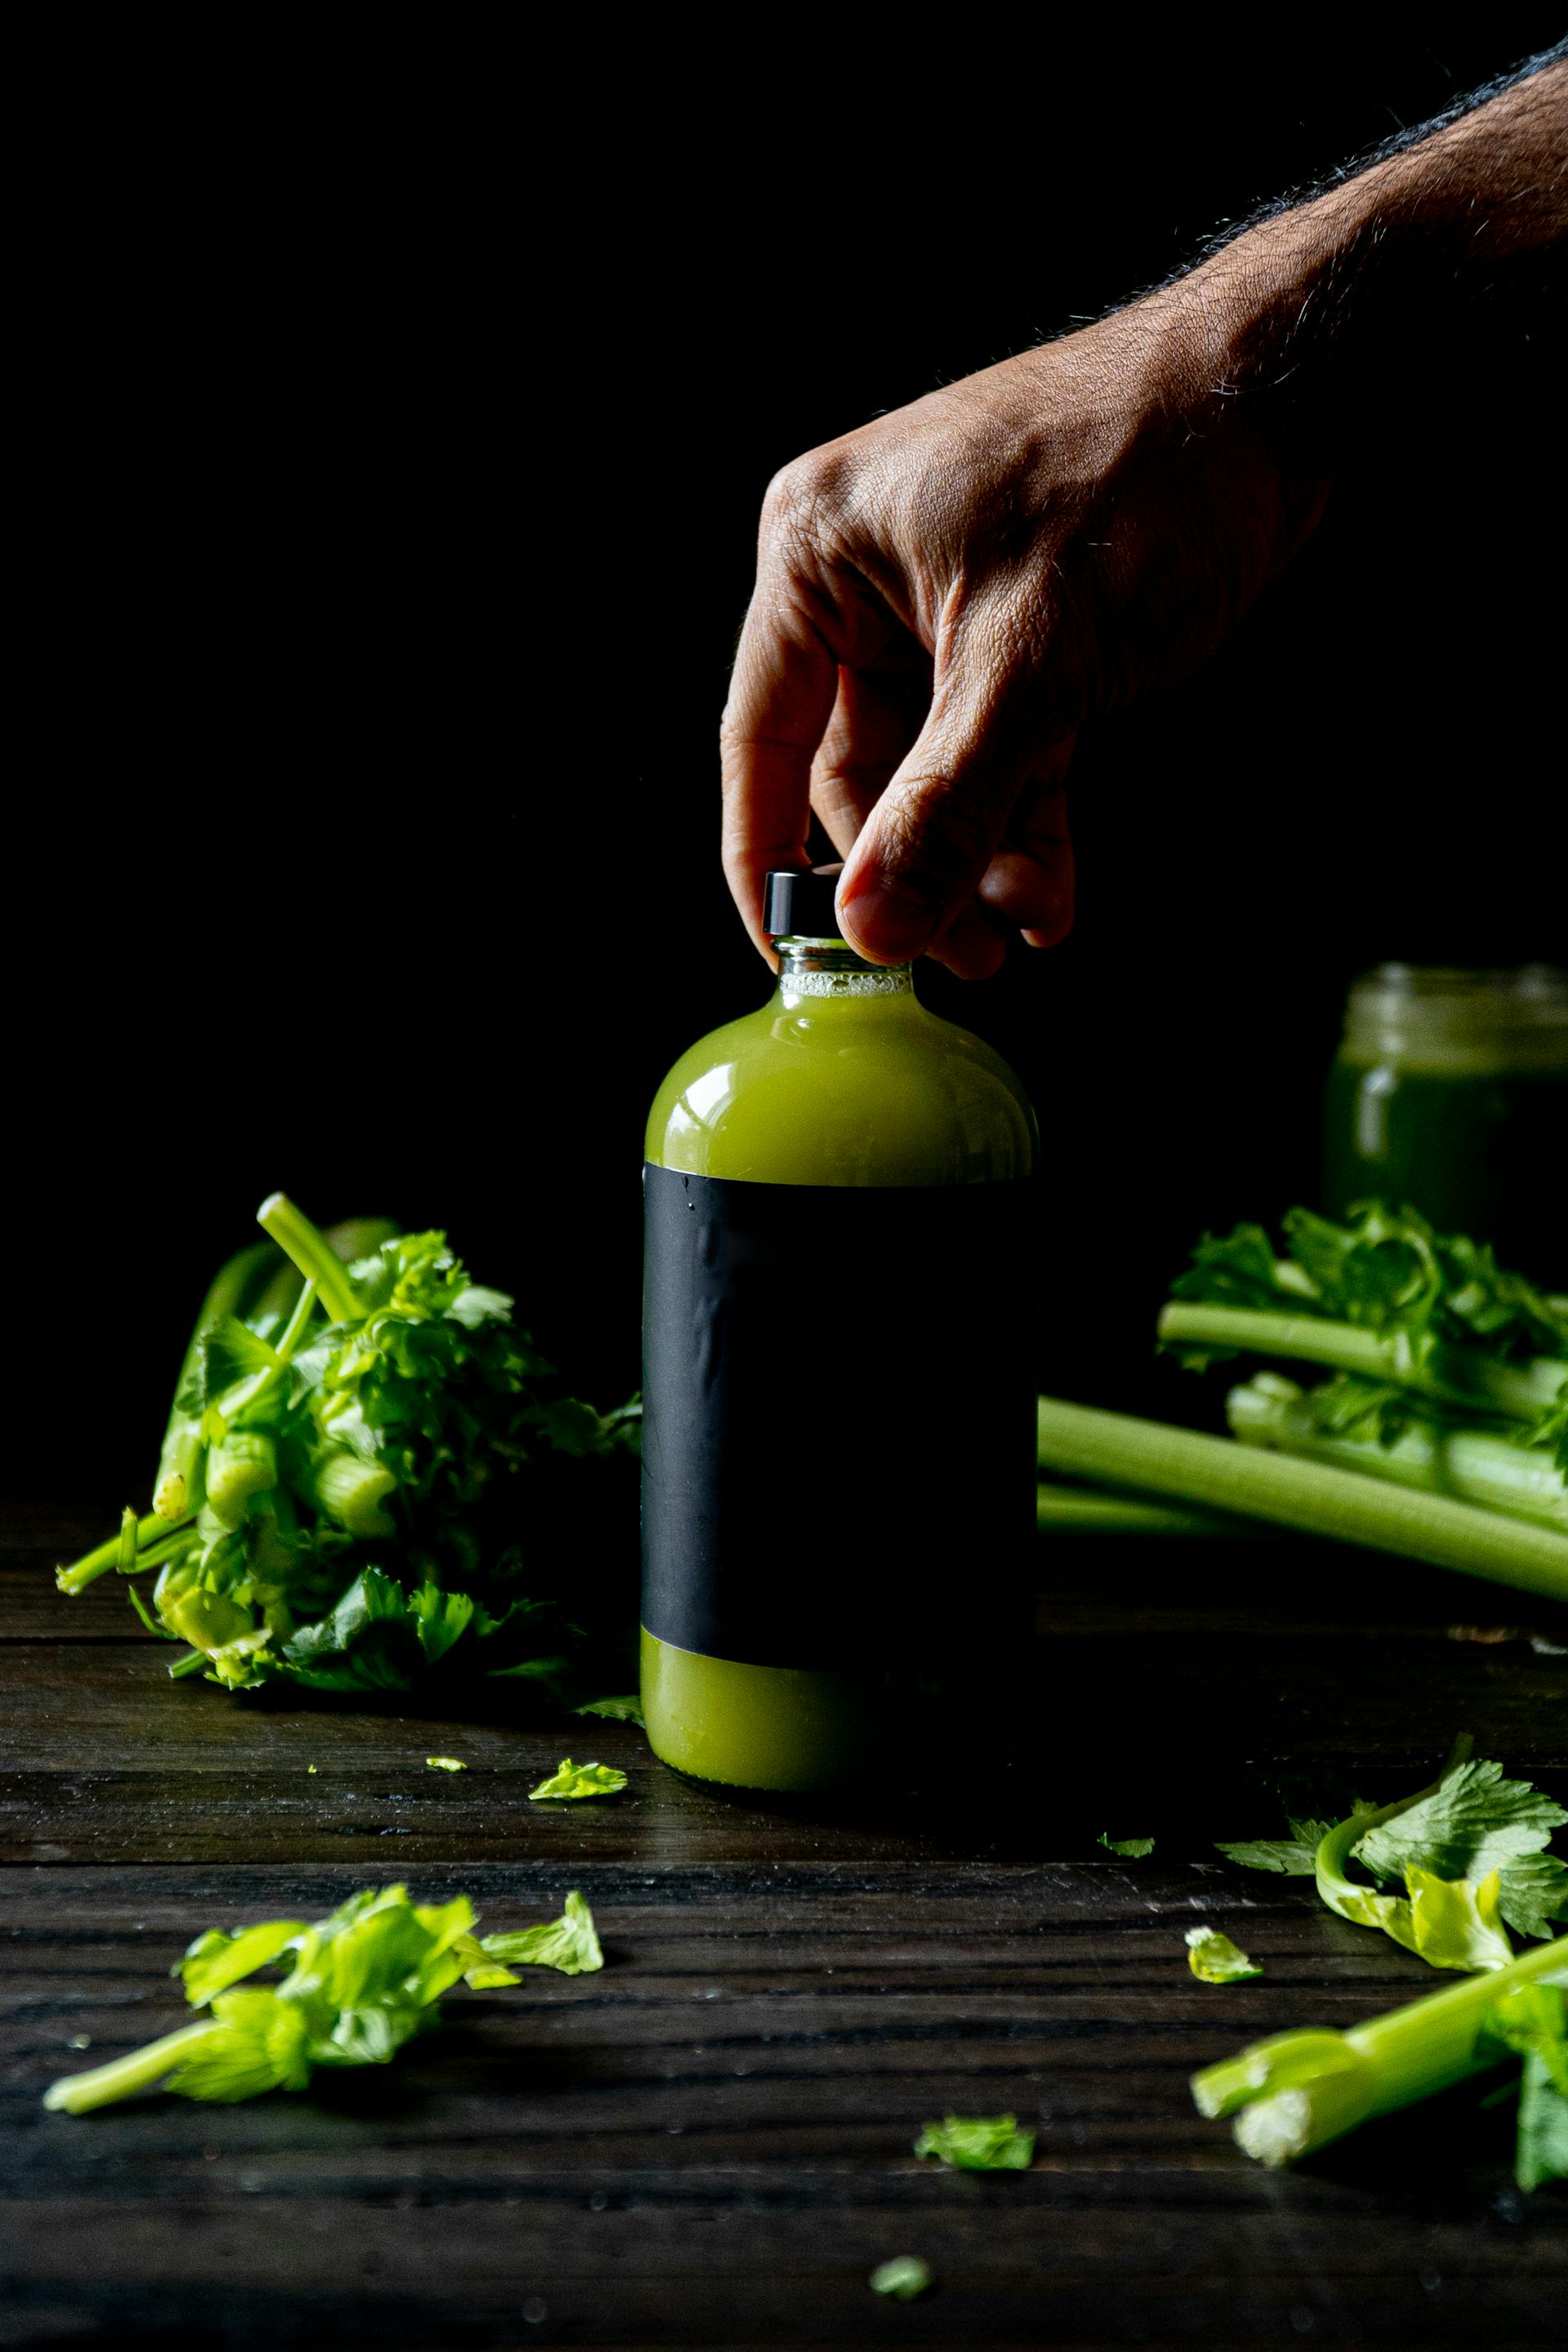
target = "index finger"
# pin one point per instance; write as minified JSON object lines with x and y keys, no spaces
{"x":782,"y":694}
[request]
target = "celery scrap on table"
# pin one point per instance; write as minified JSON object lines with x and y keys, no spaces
{"x":617,"y":1710}
{"x":570,"y":1780}
{"x":903,"y":2277}
{"x":1214,"y":1959}
{"x":979,"y":2143}
{"x":357,"y":1986}
{"x":1296,"y":2092}
{"x":372,"y":1476}
{"x":570,"y":1943}
{"x":1295,"y":1856}
{"x":1471,"y":1850}
{"x":1133,"y":1849}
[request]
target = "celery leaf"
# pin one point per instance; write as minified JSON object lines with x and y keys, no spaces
{"x":259,"y":2043}
{"x":570,"y":1943}
{"x":1535,"y":1893}
{"x":1471,"y":1824}
{"x":618,"y":1710}
{"x":1533,"y":2020}
{"x":1542,"y":2152}
{"x":1291,"y":1857}
{"x":215,"y":1961}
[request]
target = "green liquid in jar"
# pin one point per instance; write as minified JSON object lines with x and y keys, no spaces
{"x":1450,"y":1094}
{"x":843,"y":1079}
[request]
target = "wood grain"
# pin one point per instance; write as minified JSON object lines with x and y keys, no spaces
{"x":709,"y":2143}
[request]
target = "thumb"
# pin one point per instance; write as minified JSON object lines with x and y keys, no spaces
{"x":935,"y":829}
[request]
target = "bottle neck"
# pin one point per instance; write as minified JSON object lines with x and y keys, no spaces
{"x":817,"y":968}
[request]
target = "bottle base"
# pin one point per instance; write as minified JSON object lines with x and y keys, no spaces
{"x":775,"y":1730}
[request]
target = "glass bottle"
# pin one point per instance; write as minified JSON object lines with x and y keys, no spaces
{"x":1450,"y":1092}
{"x":838,"y":1436}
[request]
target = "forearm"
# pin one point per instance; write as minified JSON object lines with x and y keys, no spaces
{"x":1325,"y":317}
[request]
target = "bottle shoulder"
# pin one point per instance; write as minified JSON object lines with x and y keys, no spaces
{"x":861,"y":1091}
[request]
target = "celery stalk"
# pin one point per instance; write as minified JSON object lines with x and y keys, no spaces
{"x":121,"y":2078}
{"x":313,"y":1254}
{"x":1074,"y":1510}
{"x":175,"y":1494}
{"x":1117,"y":1450}
{"x":105,"y":1556}
{"x":1452,"y":1376}
{"x":242,"y":1464}
{"x":1296,"y":2092}
{"x":1468,"y":1463}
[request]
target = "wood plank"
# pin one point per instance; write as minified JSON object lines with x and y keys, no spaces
{"x":101,"y":1759}
{"x":708,"y":2143}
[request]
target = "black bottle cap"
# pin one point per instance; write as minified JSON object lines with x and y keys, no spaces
{"x":798,"y":903}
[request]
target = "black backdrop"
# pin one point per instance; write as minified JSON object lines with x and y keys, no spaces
{"x":395,"y":433}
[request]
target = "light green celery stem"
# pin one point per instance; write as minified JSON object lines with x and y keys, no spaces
{"x":1072,"y":1510}
{"x":313,"y":1254}
{"x":1452,"y":1375}
{"x":183,"y":1539}
{"x":1477,"y":1468}
{"x":243,"y":1465}
{"x":356,"y":1237}
{"x":174,"y":1495}
{"x":105,"y":1556}
{"x":294,"y":1330}
{"x":1115,"y":1449}
{"x":1330,"y":1863}
{"x":1297,"y":2091}
{"x":244,"y":1397}
{"x":351,"y":1492}
{"x":140,"y":2070}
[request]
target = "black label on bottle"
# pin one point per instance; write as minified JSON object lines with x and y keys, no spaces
{"x":838,"y":1433}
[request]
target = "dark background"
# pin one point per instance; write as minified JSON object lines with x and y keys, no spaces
{"x":395,"y":425}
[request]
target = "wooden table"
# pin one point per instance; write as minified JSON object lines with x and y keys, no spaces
{"x":708,"y":2143}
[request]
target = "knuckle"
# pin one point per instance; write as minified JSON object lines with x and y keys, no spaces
{"x":802,"y":496}
{"x":938,"y":835}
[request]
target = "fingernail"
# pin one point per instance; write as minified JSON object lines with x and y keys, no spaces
{"x":888,"y":925}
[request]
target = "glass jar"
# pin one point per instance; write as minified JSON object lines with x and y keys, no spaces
{"x":1449,"y":1093}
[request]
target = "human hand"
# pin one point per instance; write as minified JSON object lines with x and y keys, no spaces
{"x":946,"y":596}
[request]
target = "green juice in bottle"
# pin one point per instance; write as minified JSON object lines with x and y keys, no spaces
{"x":838,"y":1470}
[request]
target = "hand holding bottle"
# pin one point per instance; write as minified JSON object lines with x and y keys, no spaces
{"x":945,"y":596}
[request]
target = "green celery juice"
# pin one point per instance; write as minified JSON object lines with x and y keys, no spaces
{"x":843,"y":1083}
{"x":1451,"y":1093}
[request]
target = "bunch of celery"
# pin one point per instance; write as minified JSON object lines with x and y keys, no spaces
{"x":1470,"y":1850}
{"x":370,"y":1473}
{"x":356,"y":1987}
{"x":1448,"y":1384}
